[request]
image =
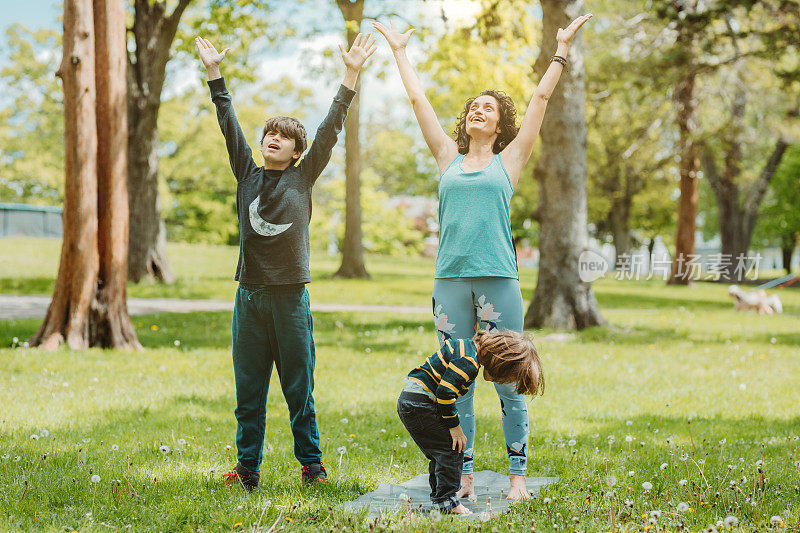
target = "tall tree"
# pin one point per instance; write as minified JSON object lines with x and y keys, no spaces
{"x":153,"y":30}
{"x":352,"y":249}
{"x":561,"y":300}
{"x":89,"y":306}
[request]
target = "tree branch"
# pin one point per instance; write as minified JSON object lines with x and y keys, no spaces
{"x":756,"y":192}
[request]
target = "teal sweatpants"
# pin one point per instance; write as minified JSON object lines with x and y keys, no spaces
{"x":273,"y":325}
{"x":460,"y":306}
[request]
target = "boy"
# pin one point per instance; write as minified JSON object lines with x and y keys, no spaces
{"x":427,"y":404}
{"x":272,"y":320}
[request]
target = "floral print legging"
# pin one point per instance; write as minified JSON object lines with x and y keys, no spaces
{"x":460,"y":306}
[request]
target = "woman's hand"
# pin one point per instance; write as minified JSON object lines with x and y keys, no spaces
{"x":565,"y":35}
{"x":397,"y":41}
{"x":459,"y":439}
{"x":362,"y":48}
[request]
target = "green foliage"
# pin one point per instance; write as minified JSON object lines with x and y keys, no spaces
{"x":32,"y":118}
{"x":779,"y":221}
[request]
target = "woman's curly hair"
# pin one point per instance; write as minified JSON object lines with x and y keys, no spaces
{"x":507,"y":122}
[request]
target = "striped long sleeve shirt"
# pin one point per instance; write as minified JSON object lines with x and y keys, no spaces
{"x":447,"y":374}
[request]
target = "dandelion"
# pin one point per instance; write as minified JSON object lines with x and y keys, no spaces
{"x":383,"y":430}
{"x":546,"y":501}
{"x":655,"y":514}
{"x":683,"y":482}
{"x":6,"y":456}
{"x":652,"y":521}
{"x":683,"y":457}
{"x":114,"y":447}
{"x":403,"y":444}
{"x":343,"y":421}
{"x":631,"y":473}
{"x":663,"y":466}
{"x":207,"y":430}
{"x":710,"y":529}
{"x":759,"y":465}
{"x":628,"y":439}
{"x":776,"y":521}
{"x":611,"y":481}
{"x":484,"y":516}
{"x":15,"y":340}
{"x":683,"y":507}
{"x":731,"y":521}
{"x":95,"y":479}
{"x":34,"y":437}
{"x":629,"y":423}
{"x":628,"y":503}
{"x":177,"y":342}
{"x":87,"y":441}
{"x":436,"y":515}
{"x":164,"y":449}
{"x":227,"y":446}
{"x":742,"y":387}
{"x":181,"y":442}
{"x":647,"y":485}
{"x":44,"y":433}
{"x":342,"y":450}
{"x":572,"y":442}
{"x":237,"y":525}
{"x":17,"y":459}
{"x":609,"y":495}
{"x":403,"y":497}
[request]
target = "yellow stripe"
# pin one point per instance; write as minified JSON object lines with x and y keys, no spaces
{"x":424,"y":370}
{"x":439,"y":353}
{"x":461,"y":342}
{"x":471,"y":360}
{"x":448,"y":385}
{"x":449,"y":347}
{"x":438,"y":376}
{"x":450,"y":416}
{"x":445,"y":402}
{"x":421,"y":383}
{"x":459,"y":372}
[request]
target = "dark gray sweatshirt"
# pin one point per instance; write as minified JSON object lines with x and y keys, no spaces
{"x":274,"y":206}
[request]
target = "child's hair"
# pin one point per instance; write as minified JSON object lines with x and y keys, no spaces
{"x":288,"y":126}
{"x":511,"y":357}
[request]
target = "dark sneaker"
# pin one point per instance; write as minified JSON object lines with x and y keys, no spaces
{"x":243,"y":476}
{"x":315,"y":474}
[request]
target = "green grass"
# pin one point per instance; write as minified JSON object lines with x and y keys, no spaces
{"x":670,"y":355}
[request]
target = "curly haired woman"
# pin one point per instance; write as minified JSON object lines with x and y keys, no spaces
{"x":477,"y":283}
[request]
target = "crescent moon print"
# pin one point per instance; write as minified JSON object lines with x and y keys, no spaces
{"x":261,"y":226}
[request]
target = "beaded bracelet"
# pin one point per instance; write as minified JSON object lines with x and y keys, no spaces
{"x":559,"y":59}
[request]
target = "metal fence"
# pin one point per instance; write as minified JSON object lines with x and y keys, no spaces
{"x":30,"y":220}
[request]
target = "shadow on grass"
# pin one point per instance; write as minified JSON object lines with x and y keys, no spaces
{"x":634,"y":300}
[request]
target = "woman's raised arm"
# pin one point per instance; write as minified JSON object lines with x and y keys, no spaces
{"x":443,"y":148}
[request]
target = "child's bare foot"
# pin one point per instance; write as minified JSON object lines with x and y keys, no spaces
{"x":518,"y":490}
{"x":467,"y":489}
{"x":460,"y":509}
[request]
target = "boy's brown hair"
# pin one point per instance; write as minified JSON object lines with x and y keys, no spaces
{"x":289,"y":127}
{"x":511,"y":357}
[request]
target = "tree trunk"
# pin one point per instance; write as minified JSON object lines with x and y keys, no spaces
{"x":788,"y":244}
{"x":681,"y":273}
{"x":110,"y":324}
{"x":89,"y":306}
{"x":561,"y":300}
{"x":619,"y":220}
{"x":352,"y":248}
{"x":153,"y":31}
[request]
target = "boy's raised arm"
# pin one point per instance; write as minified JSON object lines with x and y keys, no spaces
{"x":325,"y":139}
{"x":239,"y":152}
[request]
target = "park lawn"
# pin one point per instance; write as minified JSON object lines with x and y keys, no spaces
{"x":703,"y":390}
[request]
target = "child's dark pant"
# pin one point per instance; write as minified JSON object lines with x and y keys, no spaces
{"x":273,"y":326}
{"x":420,"y":417}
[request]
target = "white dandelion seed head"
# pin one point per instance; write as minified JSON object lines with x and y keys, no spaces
{"x":652,"y":521}
{"x":436,"y":515}
{"x":720,"y":524}
{"x":776,"y":520}
{"x":484,"y":516}
{"x":609,"y":495}
{"x":181,"y":442}
{"x":44,"y":433}
{"x":655,"y":513}
{"x":647,"y":485}
{"x":731,"y":521}
{"x":710,"y":529}
{"x":403,"y":444}
{"x":15,"y":340}
{"x":207,"y":429}
{"x":17,"y":459}
{"x":95,"y":479}
{"x":628,"y":503}
{"x":344,"y":421}
{"x":759,"y":464}
{"x":341,"y":450}
{"x":629,"y":423}
{"x":227,"y":446}
{"x":683,"y":457}
{"x":631,"y":473}
{"x":403,"y":497}
{"x":572,"y":442}
{"x":164,"y":449}
{"x":683,"y":482}
{"x":177,"y":342}
{"x":383,"y":430}
{"x":34,"y":437}
{"x":628,"y":438}
{"x":742,"y":387}
{"x":546,"y":501}
{"x":682,"y":507}
{"x":611,"y":480}
{"x":663,"y":466}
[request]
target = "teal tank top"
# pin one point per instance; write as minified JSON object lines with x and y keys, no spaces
{"x":475,"y":222}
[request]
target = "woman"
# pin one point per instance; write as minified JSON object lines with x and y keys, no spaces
{"x":476,"y":283}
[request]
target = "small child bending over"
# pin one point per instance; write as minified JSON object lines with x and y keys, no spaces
{"x":427,"y":404}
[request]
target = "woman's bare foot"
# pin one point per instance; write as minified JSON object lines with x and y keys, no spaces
{"x":518,"y":490}
{"x":467,"y":489}
{"x":460,"y":509}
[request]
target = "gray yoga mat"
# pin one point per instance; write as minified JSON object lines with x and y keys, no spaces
{"x":491,"y":489}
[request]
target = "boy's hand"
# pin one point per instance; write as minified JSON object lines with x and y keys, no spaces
{"x":209,"y":56}
{"x":397,"y":41}
{"x":362,"y":48}
{"x":459,"y":439}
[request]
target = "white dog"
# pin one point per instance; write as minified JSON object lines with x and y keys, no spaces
{"x":758,"y":300}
